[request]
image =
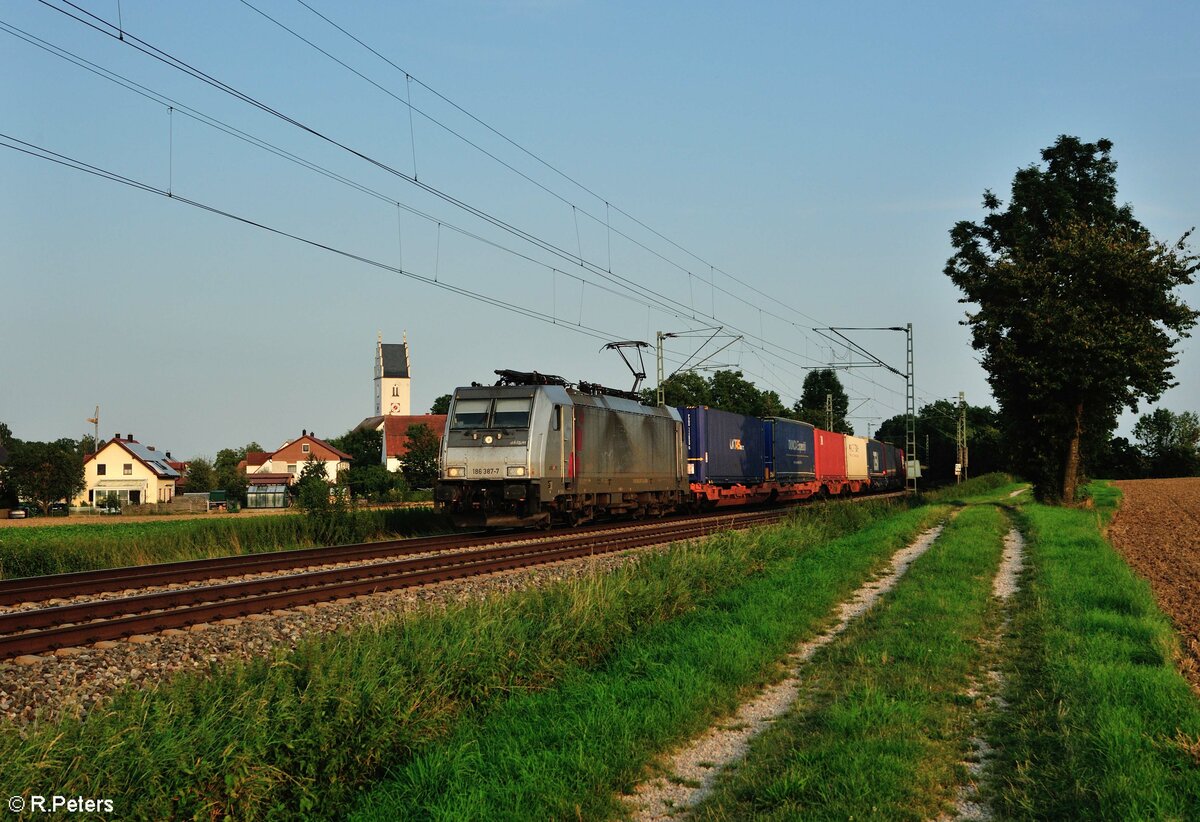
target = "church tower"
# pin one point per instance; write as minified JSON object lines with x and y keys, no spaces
{"x":392,"y":389}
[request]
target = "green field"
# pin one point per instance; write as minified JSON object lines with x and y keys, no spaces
{"x":56,"y":549}
{"x":553,"y":702}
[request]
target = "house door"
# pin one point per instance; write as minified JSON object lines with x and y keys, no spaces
{"x":135,"y":497}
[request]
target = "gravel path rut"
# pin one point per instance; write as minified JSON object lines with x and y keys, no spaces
{"x":696,"y":767}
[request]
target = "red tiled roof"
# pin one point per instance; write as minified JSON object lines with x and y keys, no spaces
{"x":395,"y":430}
{"x":256,"y":458}
{"x":292,"y":452}
{"x":269,"y":479}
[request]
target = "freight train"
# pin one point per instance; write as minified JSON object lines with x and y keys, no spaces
{"x":534,"y":450}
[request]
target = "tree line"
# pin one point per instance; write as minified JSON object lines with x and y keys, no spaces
{"x":1074,"y":308}
{"x":47,"y":472}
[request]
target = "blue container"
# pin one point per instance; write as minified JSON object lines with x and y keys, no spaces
{"x":876,"y":462}
{"x":723,"y":448}
{"x":791,"y":449}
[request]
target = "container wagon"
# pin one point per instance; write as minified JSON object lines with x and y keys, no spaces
{"x":726,"y":457}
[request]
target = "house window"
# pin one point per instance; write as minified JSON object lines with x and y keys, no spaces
{"x":304,"y":448}
{"x":291,"y":468}
{"x":127,"y":470}
{"x":395,"y":390}
{"x":101,"y":469}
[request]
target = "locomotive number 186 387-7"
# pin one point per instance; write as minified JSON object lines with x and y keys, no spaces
{"x":485,"y":472}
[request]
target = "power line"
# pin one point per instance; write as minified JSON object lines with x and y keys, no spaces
{"x":43,"y":153}
{"x":575,"y":207}
{"x":232,"y":131}
{"x":552,"y":167}
{"x":659,"y":300}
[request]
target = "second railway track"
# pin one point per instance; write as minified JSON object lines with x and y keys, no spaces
{"x":40,"y":630}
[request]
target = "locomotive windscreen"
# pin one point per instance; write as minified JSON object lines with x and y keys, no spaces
{"x":470,"y":413}
{"x":511,"y":413}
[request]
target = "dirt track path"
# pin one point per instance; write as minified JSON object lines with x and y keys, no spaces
{"x":1157,"y":530}
{"x":693,"y":769}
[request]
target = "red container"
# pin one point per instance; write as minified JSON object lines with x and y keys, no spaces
{"x":831,"y":455}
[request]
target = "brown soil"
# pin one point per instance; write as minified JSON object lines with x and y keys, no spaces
{"x":1157,"y":530}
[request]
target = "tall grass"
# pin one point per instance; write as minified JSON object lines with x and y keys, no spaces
{"x":568,"y":752}
{"x":987,"y":487}
{"x":1102,"y":725}
{"x":300,"y":733}
{"x":56,"y":549}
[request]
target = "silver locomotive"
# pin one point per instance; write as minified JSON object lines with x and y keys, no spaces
{"x":533,"y":450}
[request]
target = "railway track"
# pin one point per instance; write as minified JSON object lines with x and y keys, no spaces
{"x":46,"y":629}
{"x":65,"y":586}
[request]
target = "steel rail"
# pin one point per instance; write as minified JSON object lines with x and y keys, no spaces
{"x":55,"y":586}
{"x":50,"y":628}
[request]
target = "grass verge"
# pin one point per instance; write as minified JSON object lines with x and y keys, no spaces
{"x":1102,"y":726}
{"x":57,"y":549}
{"x":300,"y":733}
{"x":994,"y":487}
{"x":567,"y":752}
{"x":883,"y":729}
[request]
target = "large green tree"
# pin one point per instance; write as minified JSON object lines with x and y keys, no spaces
{"x":1170,"y":442}
{"x":45,"y":472}
{"x":201,"y":477}
{"x":681,"y":390}
{"x":726,"y":390}
{"x":937,"y":443}
{"x":420,"y":466}
{"x":730,"y":391}
{"x":8,"y":494}
{"x":1077,"y":315}
{"x":365,"y":446}
{"x":441,"y":405}
{"x":811,"y":406}
{"x":228,"y":477}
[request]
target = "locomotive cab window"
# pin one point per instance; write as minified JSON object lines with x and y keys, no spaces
{"x":470,"y":414}
{"x":512,"y":413}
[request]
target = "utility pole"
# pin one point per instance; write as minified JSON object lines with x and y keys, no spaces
{"x":960,"y":470}
{"x":910,"y":405}
{"x":910,"y":410}
{"x":829,"y":412}
{"x":662,"y":394}
{"x":666,"y":335}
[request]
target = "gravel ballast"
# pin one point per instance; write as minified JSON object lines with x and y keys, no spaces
{"x":72,"y":681}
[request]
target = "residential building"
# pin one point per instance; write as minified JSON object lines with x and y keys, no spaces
{"x":395,"y":434}
{"x":133,"y":473}
{"x":288,"y":461}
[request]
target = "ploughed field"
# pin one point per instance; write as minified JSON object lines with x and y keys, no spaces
{"x":1157,"y":530}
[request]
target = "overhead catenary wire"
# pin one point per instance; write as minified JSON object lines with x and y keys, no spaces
{"x":102,"y":26}
{"x":650,"y":294}
{"x":555,"y":169}
{"x":180,"y":65}
{"x":226,"y":128}
{"x":575,"y":208}
{"x":40,"y":152}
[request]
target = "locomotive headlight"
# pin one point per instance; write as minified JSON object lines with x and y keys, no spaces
{"x":456,"y":472}
{"x":516,"y":470}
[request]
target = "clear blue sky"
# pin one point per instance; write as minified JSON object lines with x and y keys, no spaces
{"x":818,"y":153}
